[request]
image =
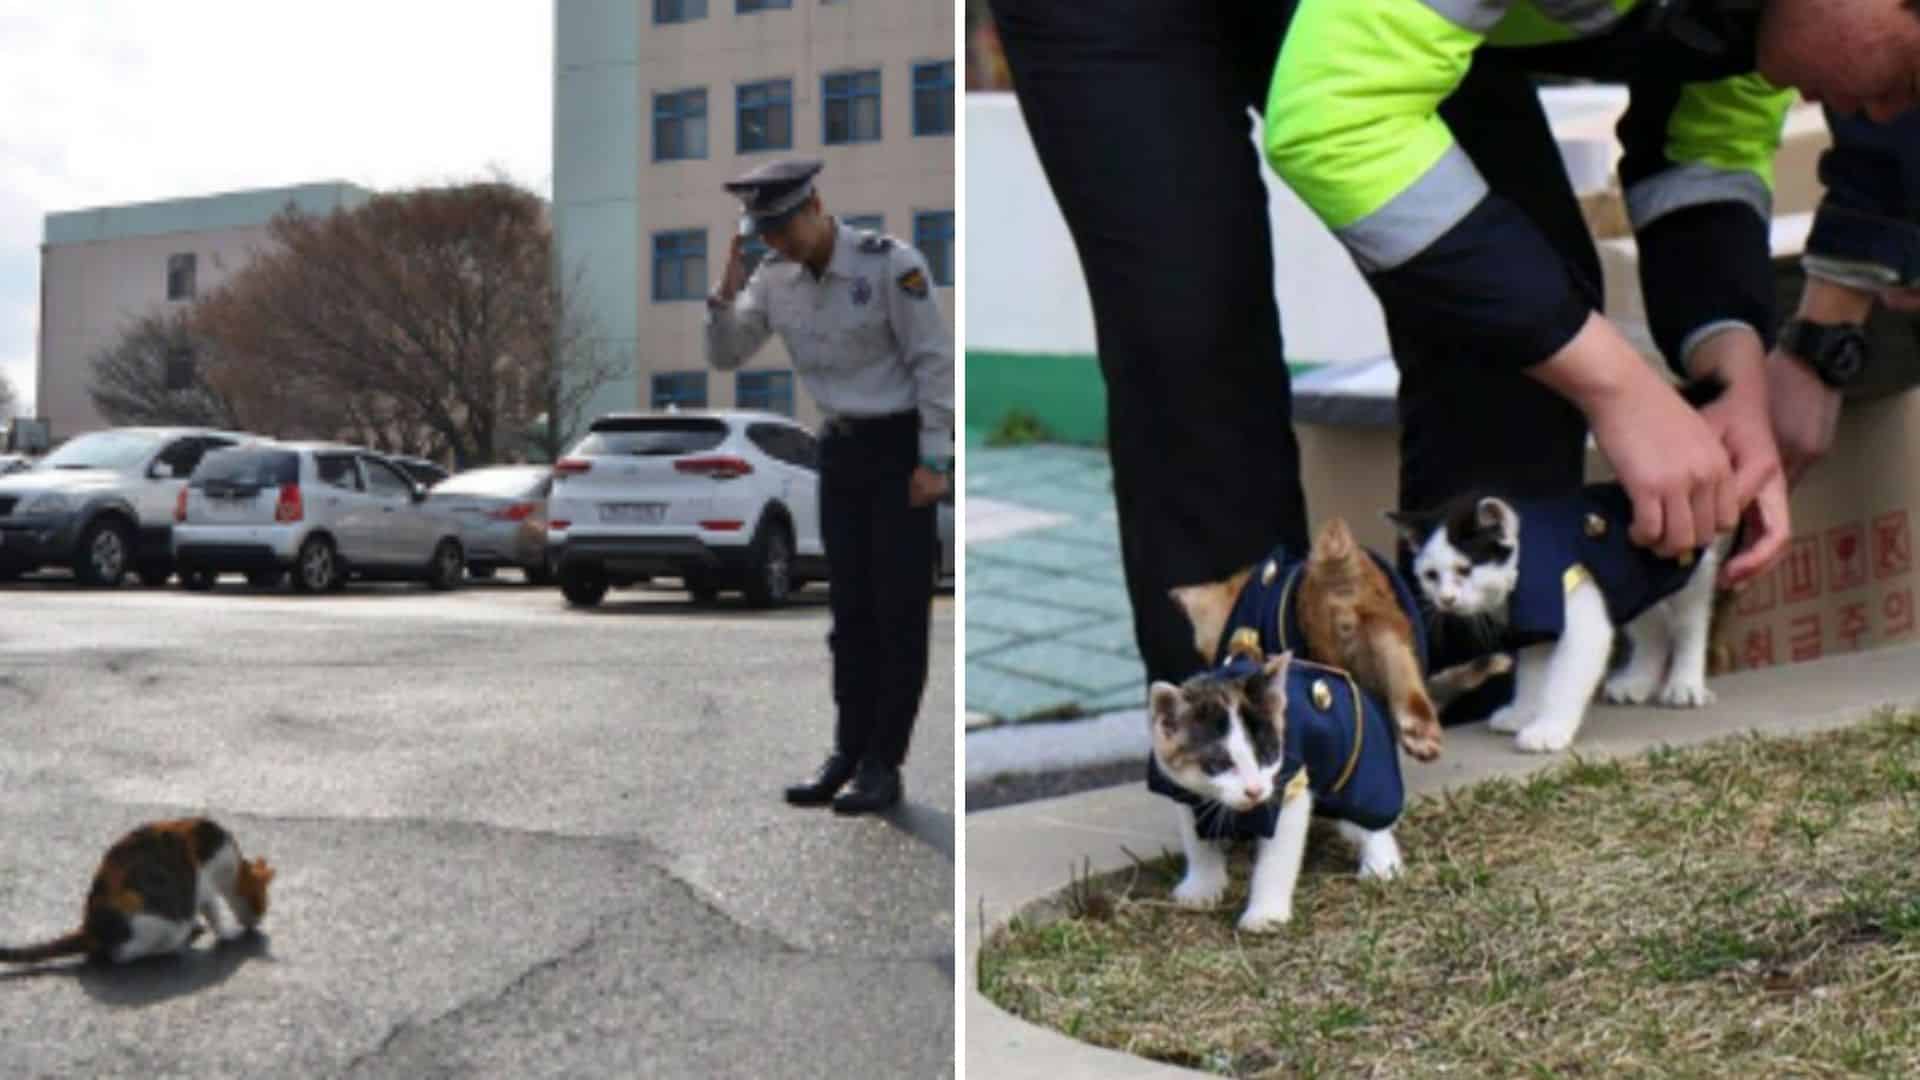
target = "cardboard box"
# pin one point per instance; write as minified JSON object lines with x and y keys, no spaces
{"x":1848,"y":581}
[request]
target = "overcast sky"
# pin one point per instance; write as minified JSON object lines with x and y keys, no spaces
{"x":104,"y":102}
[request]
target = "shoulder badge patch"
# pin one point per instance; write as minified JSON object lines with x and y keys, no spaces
{"x":876,"y":244}
{"x":913,"y":283}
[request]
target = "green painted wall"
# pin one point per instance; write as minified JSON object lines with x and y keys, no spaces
{"x":1062,"y":390}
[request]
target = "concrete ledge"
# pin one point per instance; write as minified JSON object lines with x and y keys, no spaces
{"x":1022,"y":853}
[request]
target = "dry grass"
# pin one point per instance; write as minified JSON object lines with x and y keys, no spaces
{"x":1750,"y":908}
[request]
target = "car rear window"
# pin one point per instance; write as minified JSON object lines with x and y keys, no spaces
{"x":250,"y":467}
{"x":652,"y":437}
{"x":509,"y":483}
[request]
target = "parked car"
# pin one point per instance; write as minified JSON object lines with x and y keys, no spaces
{"x":419,"y":470}
{"x":102,"y":503}
{"x":727,"y":499}
{"x":320,"y":511}
{"x":502,"y":513}
{"x":13,"y":463}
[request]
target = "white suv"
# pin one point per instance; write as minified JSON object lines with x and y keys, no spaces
{"x":320,"y":510}
{"x":722,"y":499}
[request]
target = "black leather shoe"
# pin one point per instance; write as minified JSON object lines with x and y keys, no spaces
{"x":874,"y":789}
{"x":827,"y":781}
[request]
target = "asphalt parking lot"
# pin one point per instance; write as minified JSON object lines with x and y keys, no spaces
{"x":512,"y":839}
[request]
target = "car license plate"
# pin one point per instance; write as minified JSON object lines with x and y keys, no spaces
{"x":649,"y":513}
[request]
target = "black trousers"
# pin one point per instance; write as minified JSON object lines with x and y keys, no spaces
{"x":880,"y":555}
{"x":1139,"y":112}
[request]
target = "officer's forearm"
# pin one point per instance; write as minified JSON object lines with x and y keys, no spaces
{"x":1598,"y":367}
{"x":725,"y":349}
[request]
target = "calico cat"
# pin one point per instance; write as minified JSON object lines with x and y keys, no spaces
{"x":1222,"y":736}
{"x":1556,"y":578}
{"x":149,"y":889}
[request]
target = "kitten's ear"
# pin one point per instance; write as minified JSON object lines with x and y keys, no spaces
{"x":1495,"y":514}
{"x":1275,"y":672}
{"x":1163,"y":706}
{"x":1412,"y":525}
{"x":1208,"y":607}
{"x":1335,"y":540}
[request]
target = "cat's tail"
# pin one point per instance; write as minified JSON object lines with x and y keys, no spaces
{"x":74,"y":944}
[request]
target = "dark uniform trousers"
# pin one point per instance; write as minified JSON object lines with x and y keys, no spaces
{"x":880,"y":557}
{"x":1139,"y":112}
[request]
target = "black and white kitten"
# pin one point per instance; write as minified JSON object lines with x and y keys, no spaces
{"x":1467,"y":563}
{"x":1222,"y":738}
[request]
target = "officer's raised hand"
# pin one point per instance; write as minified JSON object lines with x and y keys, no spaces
{"x":735,"y":276}
{"x":926,"y":486}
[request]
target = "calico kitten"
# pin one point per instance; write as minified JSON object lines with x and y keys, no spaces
{"x":1221,"y":738}
{"x":1468,"y":562}
{"x":151,"y":886}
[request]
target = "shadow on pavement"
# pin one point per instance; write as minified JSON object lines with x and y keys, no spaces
{"x":931,"y":827}
{"x":156,"y":979}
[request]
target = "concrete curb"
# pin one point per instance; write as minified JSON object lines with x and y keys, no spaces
{"x":1019,"y":854}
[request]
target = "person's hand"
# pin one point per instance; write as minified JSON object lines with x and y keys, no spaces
{"x":734,"y":278}
{"x":926,"y":487}
{"x":1806,"y":412}
{"x":1673,"y":465}
{"x":1740,"y":417}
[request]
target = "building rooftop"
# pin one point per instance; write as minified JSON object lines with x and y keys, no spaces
{"x":203,"y":213}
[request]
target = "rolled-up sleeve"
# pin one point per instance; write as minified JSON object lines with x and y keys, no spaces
{"x":1866,"y":233}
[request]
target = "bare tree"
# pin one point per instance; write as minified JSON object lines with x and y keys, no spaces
{"x":9,"y":398}
{"x":425,"y":316}
{"x":156,"y":374}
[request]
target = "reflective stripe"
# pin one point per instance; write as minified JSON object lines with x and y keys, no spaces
{"x":1419,"y":215}
{"x":1868,"y":276}
{"x":1701,"y":333}
{"x":1475,"y":15}
{"x":1693,"y":185}
{"x":1582,"y":16}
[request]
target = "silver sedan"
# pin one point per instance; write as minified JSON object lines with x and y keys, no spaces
{"x":502,"y":513}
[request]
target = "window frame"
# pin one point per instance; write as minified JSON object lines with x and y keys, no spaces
{"x":740,"y":107}
{"x":680,"y":12}
{"x":829,"y":98}
{"x":742,"y":378}
{"x":664,"y":112}
{"x":656,"y":380}
{"x":695,"y":285}
{"x":915,"y":87}
{"x":920,"y":219}
{"x":183,"y":272}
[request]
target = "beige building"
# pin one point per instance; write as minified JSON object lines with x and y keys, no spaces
{"x":657,"y":102}
{"x":105,"y":268}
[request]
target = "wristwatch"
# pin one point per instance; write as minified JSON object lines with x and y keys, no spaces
{"x":1837,"y":352}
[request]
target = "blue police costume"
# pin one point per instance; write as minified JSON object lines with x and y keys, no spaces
{"x":1578,"y":537}
{"x":1336,"y":734}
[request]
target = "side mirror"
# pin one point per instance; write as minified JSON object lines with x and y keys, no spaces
{"x":161,"y":471}
{"x":419,"y":494}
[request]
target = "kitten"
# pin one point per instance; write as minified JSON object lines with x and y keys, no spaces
{"x":1558,"y":577}
{"x":151,"y":886}
{"x":1341,"y":608}
{"x":1222,"y":746}
{"x":1351,"y":618}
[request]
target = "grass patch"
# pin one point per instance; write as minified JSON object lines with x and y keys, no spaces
{"x":1748,"y":908}
{"x":1019,"y":427}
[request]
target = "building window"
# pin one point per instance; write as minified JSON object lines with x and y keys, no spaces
{"x":745,"y":7}
{"x":933,"y":235}
{"x":771,"y":391}
{"x":765,"y":116}
{"x":180,"y":272}
{"x":684,"y":389}
{"x":673,"y":11}
{"x":933,"y":98}
{"x":680,"y":265}
{"x":680,"y":125}
{"x":850,"y":105}
{"x":875,"y":222}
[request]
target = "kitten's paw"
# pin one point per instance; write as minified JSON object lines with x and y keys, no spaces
{"x":1627,"y":689}
{"x":1423,"y":741}
{"x":1686,"y":695}
{"x":1538,"y":738}
{"x":1265,"y":920}
{"x":1380,"y":862}
{"x":1508,"y":718}
{"x":1200,"y":890}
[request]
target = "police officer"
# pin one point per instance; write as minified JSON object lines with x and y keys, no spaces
{"x":857,"y":313}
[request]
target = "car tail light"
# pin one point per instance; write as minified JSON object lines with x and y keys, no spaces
{"x":722,"y":526}
{"x":516,"y":512}
{"x":180,"y":507}
{"x":572,"y":466}
{"x":559,"y":524}
{"x":289,"y":509}
{"x":722,"y":467}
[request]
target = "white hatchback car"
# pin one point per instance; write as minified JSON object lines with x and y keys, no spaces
{"x":722,"y":499}
{"x":323,"y":511}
